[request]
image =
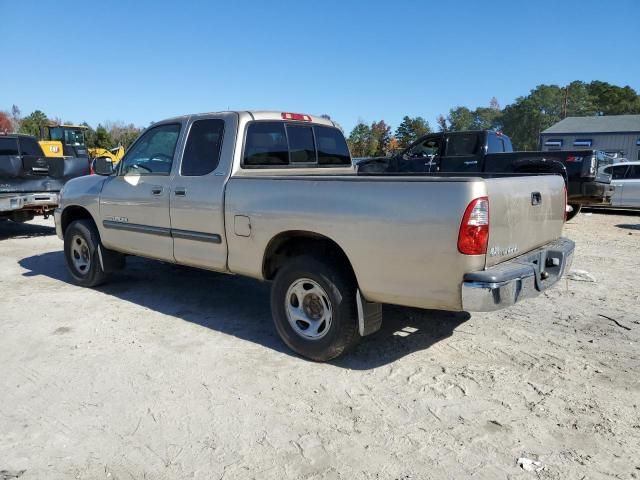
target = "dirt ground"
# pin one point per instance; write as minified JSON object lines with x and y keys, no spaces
{"x":173,"y":373}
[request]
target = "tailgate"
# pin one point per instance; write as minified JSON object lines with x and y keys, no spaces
{"x":524,"y":213}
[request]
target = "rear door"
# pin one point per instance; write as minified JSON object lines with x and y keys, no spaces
{"x":134,"y":203}
{"x":631,"y":188}
{"x":197,"y":192}
{"x":422,"y":156}
{"x":618,"y":175}
{"x":462,"y":153}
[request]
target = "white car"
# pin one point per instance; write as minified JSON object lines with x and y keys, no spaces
{"x":625,"y":178}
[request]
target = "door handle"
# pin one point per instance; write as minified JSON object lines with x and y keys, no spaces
{"x":156,"y":190}
{"x":180,"y":191}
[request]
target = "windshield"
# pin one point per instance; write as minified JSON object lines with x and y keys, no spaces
{"x":69,"y":136}
{"x":74,"y":137}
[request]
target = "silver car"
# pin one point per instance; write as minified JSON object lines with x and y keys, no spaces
{"x":625,"y":178}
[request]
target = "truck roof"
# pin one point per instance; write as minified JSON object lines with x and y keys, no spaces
{"x":262,"y":115}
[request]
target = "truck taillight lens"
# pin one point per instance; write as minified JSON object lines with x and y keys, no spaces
{"x":474,"y":229}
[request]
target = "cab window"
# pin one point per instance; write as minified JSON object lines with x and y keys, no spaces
{"x":153,"y":153}
{"x":495,"y":144}
{"x":427,"y":148}
{"x":202,"y":152}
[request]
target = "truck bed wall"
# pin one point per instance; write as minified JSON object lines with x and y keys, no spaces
{"x":400,"y":235}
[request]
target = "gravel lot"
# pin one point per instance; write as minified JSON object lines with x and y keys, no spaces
{"x":173,"y":373}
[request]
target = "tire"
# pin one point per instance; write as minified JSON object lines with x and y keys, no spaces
{"x":310,"y":285}
{"x":574,"y":212}
{"x":81,"y":242}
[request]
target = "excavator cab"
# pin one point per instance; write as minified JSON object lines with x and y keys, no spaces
{"x":63,"y":141}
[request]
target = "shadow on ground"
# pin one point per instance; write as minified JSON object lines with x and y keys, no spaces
{"x":629,"y":226}
{"x":10,"y":229}
{"x":239,"y":306}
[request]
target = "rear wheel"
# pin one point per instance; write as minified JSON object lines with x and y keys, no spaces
{"x":314,"y":309}
{"x":81,"y":242}
{"x":575,"y":210}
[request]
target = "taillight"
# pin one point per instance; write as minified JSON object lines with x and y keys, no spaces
{"x":474,"y":229}
{"x":296,"y":116}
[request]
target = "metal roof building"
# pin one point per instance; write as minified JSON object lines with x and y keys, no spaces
{"x":618,"y":135}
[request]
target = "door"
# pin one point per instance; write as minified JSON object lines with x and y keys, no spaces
{"x":618,"y":173}
{"x":197,"y":193}
{"x":631,"y":188}
{"x":134,"y":203}
{"x":421,"y":156}
{"x":462,"y":153}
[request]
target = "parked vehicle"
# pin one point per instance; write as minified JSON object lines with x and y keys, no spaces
{"x":274,"y":196}
{"x":489,"y":152}
{"x":625,"y":178}
{"x":30,"y":182}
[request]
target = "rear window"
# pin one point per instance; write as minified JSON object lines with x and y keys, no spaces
{"x":273,"y":144}
{"x":302,"y":148}
{"x":462,"y":144}
{"x":9,"y":147}
{"x":495,"y":144}
{"x":332,"y":147}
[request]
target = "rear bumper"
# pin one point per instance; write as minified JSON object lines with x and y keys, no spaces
{"x":29,"y":201}
{"x":517,"y":279}
{"x":593,"y":193}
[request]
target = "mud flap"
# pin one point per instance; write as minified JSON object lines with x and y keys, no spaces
{"x":110,"y":261}
{"x":369,"y":315}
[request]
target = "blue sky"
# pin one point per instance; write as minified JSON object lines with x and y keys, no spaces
{"x":142,"y":61}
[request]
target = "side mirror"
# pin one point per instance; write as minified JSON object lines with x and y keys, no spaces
{"x":103,"y":166}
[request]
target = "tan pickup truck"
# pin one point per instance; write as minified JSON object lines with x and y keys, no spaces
{"x":274,"y":196}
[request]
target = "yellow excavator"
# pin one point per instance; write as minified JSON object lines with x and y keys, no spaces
{"x":65,"y":140}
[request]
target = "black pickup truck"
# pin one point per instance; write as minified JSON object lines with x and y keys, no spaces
{"x":491,"y":153}
{"x":30,"y":182}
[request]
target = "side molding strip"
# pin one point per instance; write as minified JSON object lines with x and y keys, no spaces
{"x":163,"y":232}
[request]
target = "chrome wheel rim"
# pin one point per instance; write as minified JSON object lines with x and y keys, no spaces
{"x":308,"y":309}
{"x":80,"y":254}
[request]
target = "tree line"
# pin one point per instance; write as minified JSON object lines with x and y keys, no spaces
{"x":522,"y":120}
{"x":107,"y":135}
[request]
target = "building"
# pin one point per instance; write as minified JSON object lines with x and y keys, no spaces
{"x":617,"y":135}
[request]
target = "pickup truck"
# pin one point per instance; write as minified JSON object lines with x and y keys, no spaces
{"x":489,"y":152}
{"x":30,"y":182}
{"x":274,"y":196}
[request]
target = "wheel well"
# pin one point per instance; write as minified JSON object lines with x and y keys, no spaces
{"x":73,"y":213}
{"x":291,"y":244}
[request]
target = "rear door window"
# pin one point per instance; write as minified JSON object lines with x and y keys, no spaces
{"x":202,"y":152}
{"x":634,"y":172}
{"x":8,"y":147}
{"x":464,"y":144}
{"x":28,"y":146}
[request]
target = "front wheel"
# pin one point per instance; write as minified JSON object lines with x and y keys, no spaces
{"x":81,"y":242}
{"x":575,"y":210}
{"x":314,"y":309}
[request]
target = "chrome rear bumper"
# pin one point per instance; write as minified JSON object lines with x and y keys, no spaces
{"x":517,"y":279}
{"x":28,"y":200}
